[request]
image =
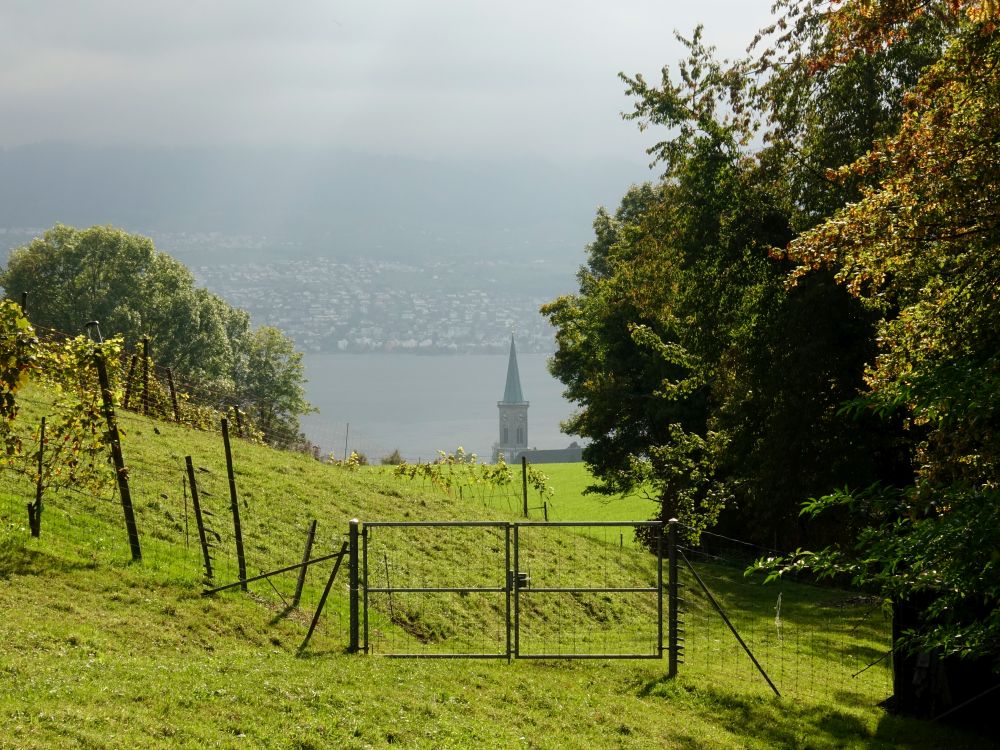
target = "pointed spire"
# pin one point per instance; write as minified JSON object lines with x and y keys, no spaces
{"x":512,"y":392}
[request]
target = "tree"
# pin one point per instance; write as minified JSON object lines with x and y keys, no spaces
{"x":120,"y":279}
{"x":268,"y":380}
{"x":922,"y":249}
{"x":699,"y":378}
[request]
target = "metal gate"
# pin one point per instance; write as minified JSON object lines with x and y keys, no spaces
{"x":531,"y":590}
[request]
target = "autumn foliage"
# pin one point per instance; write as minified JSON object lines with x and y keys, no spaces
{"x":794,"y":335}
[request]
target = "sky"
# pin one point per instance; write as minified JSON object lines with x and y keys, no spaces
{"x":424,"y":79}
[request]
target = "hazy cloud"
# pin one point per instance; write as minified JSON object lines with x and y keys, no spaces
{"x":421,"y":79}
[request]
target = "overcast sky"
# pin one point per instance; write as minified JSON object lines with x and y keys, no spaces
{"x":425,"y":79}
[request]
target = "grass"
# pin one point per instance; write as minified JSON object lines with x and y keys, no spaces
{"x":571,"y":503}
{"x":98,"y":652}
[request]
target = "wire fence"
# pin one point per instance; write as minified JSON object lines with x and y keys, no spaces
{"x":810,"y":640}
{"x":82,"y":524}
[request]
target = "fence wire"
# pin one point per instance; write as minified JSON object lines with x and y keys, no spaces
{"x":436,"y":590}
{"x":812,"y":641}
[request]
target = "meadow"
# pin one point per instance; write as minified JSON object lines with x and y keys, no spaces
{"x":97,"y":651}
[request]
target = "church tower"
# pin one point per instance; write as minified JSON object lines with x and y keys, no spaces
{"x":513,"y":414}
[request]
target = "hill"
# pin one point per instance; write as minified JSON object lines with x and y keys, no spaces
{"x":99,"y":652}
{"x":292,"y":202}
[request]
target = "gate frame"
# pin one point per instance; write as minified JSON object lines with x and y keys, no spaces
{"x":513,"y":589}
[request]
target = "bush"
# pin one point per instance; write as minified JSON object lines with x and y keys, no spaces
{"x":393,"y":459}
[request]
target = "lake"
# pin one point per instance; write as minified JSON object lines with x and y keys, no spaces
{"x":422,"y":404}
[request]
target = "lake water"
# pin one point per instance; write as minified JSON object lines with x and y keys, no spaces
{"x":422,"y":404}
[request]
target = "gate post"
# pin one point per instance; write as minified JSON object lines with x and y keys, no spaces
{"x":672,"y":642}
{"x":352,"y":571}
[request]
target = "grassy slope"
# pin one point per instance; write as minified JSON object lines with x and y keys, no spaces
{"x":96,"y":652}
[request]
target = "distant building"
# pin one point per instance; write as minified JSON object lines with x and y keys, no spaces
{"x":572,"y":454}
{"x":513,"y":442}
{"x":513,"y":414}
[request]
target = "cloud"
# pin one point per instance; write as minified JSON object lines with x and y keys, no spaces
{"x":422,"y":78}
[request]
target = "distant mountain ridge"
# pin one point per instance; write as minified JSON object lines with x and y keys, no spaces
{"x":317,"y":202}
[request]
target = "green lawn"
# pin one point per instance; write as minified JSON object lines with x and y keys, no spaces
{"x":569,"y":503}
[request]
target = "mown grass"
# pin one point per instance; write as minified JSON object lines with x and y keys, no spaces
{"x":98,"y":652}
{"x":570,"y":502}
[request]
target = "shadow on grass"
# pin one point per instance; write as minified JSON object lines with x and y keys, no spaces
{"x":773,"y":722}
{"x":282,"y":614}
{"x":16,"y":559}
{"x":322,"y":653}
{"x":909,"y":732}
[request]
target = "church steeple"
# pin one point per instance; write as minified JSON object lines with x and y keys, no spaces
{"x":513,"y":414}
{"x":512,"y":392}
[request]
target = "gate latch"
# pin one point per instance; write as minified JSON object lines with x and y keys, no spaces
{"x":523,"y":580}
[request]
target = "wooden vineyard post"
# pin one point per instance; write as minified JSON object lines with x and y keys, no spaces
{"x":234,"y":503}
{"x":121,"y":473}
{"x":145,"y":376}
{"x":310,"y":535}
{"x":128,"y":381}
{"x":198,"y":518}
{"x":35,"y":508}
{"x":239,"y":420}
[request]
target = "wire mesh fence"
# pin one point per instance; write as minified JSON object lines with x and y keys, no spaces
{"x":82,"y":522}
{"x":810,"y":641}
{"x":585,"y":594}
{"x":436,"y":589}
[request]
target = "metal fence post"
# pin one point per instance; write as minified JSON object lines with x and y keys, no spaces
{"x":524,"y":483}
{"x":672,"y":642}
{"x":352,"y":571}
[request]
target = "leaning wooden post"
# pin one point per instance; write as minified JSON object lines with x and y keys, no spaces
{"x":673,"y":645}
{"x":173,"y":395}
{"x":234,"y":502}
{"x":352,"y":573}
{"x":35,"y":508}
{"x":121,"y":473}
{"x":128,"y":381}
{"x":524,"y":483}
{"x":310,"y":535}
{"x":145,"y":376}
{"x":197,"y":517}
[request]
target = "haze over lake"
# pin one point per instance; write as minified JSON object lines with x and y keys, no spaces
{"x":422,"y":404}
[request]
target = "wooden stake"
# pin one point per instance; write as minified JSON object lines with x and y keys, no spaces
{"x":121,"y":473}
{"x":198,"y":518}
{"x":234,"y":503}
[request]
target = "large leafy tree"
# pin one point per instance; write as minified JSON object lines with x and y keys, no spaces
{"x":922,"y":248}
{"x":103,"y":273}
{"x":268,"y":379}
{"x":698,"y":376}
